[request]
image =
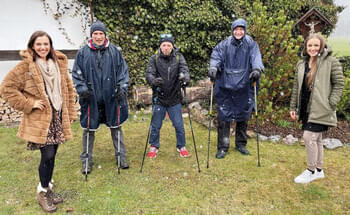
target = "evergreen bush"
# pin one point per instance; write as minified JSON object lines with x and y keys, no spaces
{"x":199,"y":25}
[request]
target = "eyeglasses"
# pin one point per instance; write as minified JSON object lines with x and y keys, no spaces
{"x":162,"y":36}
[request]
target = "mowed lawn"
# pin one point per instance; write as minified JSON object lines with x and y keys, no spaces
{"x":170,"y":184}
{"x":340,"y":45}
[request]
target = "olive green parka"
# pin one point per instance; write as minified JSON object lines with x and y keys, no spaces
{"x":326,"y":91}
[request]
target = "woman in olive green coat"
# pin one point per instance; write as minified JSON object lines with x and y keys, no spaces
{"x":318,"y":86}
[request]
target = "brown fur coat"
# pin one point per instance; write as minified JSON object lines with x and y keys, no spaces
{"x":24,"y":84}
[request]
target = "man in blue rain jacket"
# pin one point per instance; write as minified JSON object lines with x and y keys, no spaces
{"x":101,"y":78}
{"x":235,"y":64}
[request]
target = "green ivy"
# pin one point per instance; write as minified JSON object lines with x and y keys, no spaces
{"x":196,"y":25}
{"x":199,"y":25}
{"x":343,"y":108}
{"x":345,"y":62}
{"x":279,"y":51}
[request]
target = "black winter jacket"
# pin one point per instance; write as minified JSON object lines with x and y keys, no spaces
{"x":168,"y":68}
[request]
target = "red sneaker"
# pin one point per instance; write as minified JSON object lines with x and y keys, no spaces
{"x":152,"y":152}
{"x":183,"y":152}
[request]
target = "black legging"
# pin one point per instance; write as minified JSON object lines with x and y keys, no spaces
{"x":47,"y":163}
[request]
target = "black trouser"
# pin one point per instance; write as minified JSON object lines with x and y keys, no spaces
{"x":224,"y":135}
{"x":241,"y":134}
{"x":47,"y":164}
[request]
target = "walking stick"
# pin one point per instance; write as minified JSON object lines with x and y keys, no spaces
{"x":118,"y":130}
{"x":87,"y":145}
{"x":256,"y":122}
{"x":189,"y":117}
{"x":149,"y":134}
{"x":210,"y":119}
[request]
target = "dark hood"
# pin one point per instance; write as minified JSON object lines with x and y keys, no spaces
{"x":239,"y":22}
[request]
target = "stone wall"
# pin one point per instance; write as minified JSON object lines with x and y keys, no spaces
{"x":143,"y":94}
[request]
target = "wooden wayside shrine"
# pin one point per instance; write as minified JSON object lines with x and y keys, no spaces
{"x":312,"y":22}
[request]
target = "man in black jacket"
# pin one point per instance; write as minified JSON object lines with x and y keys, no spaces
{"x":166,"y":71}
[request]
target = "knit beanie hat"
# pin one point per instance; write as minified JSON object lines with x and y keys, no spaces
{"x":97,"y":26}
{"x":166,"y":38}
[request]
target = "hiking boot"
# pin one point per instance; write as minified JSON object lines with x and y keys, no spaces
{"x":220,"y":154}
{"x":152,"y":152}
{"x":56,"y":198}
{"x":243,"y":150}
{"x":87,"y":170}
{"x":183,"y":152}
{"x":306,"y":177}
{"x":45,"y":201}
{"x":123,"y":164}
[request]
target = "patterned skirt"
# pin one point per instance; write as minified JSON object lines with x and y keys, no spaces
{"x":55,"y":134}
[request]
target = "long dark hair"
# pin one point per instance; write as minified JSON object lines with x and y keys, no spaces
{"x":313,"y":68}
{"x":31,"y":41}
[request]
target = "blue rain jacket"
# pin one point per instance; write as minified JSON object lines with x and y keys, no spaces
{"x":235,"y":59}
{"x":104,"y":69}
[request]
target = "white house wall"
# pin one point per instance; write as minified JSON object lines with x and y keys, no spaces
{"x":20,"y":18}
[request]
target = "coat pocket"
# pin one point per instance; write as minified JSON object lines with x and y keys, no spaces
{"x":234,"y":79}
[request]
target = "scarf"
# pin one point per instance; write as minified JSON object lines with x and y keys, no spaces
{"x":51,"y":75}
{"x":94,"y":46}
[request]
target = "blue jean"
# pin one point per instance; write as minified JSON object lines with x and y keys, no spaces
{"x":175,"y":115}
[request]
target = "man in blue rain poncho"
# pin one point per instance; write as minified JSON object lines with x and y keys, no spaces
{"x":101,"y":78}
{"x":235,"y":64}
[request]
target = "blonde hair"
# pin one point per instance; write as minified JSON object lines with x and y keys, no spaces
{"x":311,"y":75}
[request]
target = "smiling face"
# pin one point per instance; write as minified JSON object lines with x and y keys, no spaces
{"x":238,"y":32}
{"x":42,"y":47}
{"x":313,"y":47}
{"x":98,"y":37}
{"x":166,"y":48}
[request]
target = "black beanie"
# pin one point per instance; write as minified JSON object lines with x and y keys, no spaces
{"x":97,"y":26}
{"x":166,"y":38}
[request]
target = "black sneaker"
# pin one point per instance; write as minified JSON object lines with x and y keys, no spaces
{"x":243,"y":150}
{"x":220,"y":154}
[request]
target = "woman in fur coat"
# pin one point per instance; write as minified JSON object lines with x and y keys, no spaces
{"x":40,"y":87}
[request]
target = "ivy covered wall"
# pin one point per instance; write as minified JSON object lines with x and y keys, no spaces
{"x":198,"y":25}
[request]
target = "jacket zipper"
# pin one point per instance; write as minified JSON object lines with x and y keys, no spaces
{"x":312,"y":89}
{"x":299,"y":92}
{"x":168,"y":73}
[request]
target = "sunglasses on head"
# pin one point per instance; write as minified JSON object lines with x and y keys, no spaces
{"x":162,"y":36}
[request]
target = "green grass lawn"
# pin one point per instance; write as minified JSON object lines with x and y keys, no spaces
{"x":170,"y":184}
{"x":340,"y":45}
